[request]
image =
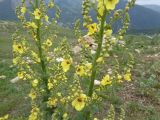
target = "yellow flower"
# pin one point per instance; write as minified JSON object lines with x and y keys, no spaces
{"x":48,"y":42}
{"x":35,"y":83}
{"x":66,"y":64}
{"x":50,"y":85}
{"x":18,"y":48}
{"x":108,"y":32}
{"x":100,"y":60}
{"x":27,"y":76}
{"x":52,"y":102}
{"x":92,"y":28}
{"x":95,"y":119}
{"x":79,"y":102}
{"x":59,"y":94}
{"x":23,"y":10}
{"x":106,"y":80}
{"x":35,"y":56}
{"x":121,"y":37}
{"x":127,"y":8}
{"x":34,"y":114}
{"x":4,"y":117}
{"x":110,"y":4}
{"x":32,"y":94}
{"x":88,"y":65}
{"x":62,"y":100}
{"x":15,"y":60}
{"x":37,"y":13}
{"x":127,"y":76}
{"x":31,"y":25}
{"x":80,"y":70}
{"x":21,"y":74}
{"x":46,"y":18}
{"x":51,"y":4}
{"x":101,"y":7}
{"x":119,"y":77}
{"x":65,"y":115}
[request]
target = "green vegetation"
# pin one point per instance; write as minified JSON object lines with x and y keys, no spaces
{"x":142,"y":97}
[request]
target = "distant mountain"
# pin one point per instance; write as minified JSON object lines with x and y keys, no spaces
{"x":142,"y":18}
{"x":70,"y":10}
{"x":153,"y":7}
{"x":6,"y":11}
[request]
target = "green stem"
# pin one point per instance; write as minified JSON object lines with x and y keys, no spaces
{"x":48,"y":111}
{"x":98,"y":51}
{"x":42,"y":60}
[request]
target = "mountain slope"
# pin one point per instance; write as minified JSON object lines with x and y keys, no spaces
{"x":6,"y":11}
{"x":141,"y":17}
{"x":153,"y":7}
{"x":144,"y":18}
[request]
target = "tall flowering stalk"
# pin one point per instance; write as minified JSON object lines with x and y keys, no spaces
{"x":68,"y":82}
{"x":44,"y":74}
{"x":98,"y":51}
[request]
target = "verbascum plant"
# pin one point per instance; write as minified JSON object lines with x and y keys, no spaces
{"x":111,"y":113}
{"x":71,"y":82}
{"x":122,"y":114}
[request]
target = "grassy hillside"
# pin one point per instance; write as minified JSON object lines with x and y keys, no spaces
{"x":141,"y":97}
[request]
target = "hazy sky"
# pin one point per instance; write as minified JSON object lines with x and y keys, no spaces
{"x":156,"y":2}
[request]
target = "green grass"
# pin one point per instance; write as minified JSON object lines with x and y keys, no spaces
{"x":142,"y":97}
{"x":145,"y":98}
{"x":14,"y":97}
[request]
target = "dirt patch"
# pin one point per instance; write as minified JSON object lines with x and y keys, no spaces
{"x":129,"y":93}
{"x":154,"y":57}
